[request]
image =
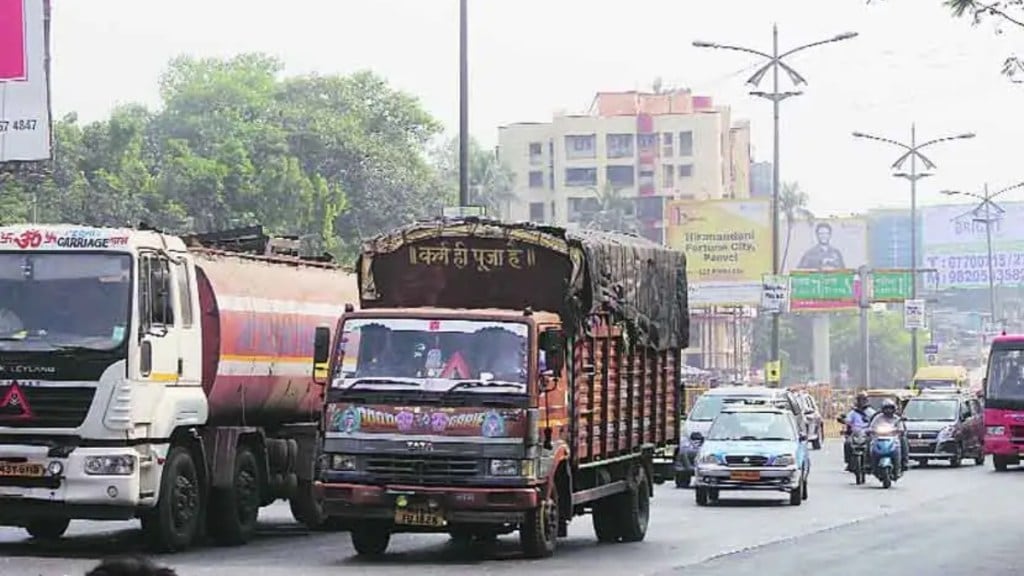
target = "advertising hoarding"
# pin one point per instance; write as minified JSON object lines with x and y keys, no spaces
{"x":727,"y":245}
{"x":24,"y":84}
{"x":889,"y":238}
{"x":956,"y":246}
{"x":823,"y":244}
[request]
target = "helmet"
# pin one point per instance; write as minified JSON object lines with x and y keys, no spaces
{"x":862,"y":400}
{"x":888,"y":407}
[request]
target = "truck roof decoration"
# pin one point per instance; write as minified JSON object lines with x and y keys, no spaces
{"x":481,"y":263}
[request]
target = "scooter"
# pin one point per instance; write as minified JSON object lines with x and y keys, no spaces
{"x":885,"y":453}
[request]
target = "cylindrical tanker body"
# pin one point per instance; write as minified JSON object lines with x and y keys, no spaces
{"x":258,"y":320}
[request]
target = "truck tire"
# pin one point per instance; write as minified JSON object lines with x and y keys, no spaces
{"x":176,"y":522}
{"x":47,"y":529}
{"x":606,"y":519}
{"x":635,"y":508}
{"x":370,"y":539}
{"x":234,"y":511}
{"x":538,"y":534}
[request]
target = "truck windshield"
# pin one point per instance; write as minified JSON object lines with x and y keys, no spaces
{"x":1005,"y":379}
{"x":438,"y":355}
{"x":921,"y":409}
{"x":68,"y":300}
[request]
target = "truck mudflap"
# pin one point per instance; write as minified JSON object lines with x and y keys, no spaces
{"x":426,"y":508}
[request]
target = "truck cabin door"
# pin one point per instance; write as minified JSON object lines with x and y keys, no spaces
{"x":158,"y":334}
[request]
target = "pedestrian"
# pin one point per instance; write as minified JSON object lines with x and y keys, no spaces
{"x":130,"y":566}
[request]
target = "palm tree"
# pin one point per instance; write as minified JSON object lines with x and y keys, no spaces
{"x":612,"y":213}
{"x":793,"y":206}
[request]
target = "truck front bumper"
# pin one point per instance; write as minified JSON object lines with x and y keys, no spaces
{"x":1003,"y":446}
{"x":65,"y":490}
{"x":457,"y":505}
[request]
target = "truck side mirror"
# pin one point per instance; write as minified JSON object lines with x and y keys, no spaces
{"x":321,"y":345}
{"x":552,"y":342}
{"x":145,"y":358}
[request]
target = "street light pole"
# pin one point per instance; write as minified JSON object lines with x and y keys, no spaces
{"x":913,"y":153}
{"x":775,"y":63}
{"x":993,"y":213}
{"x":463,"y":103}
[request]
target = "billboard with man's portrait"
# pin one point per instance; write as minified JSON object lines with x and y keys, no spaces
{"x":823,"y":244}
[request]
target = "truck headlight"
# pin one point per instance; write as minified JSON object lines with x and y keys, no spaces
{"x":996,"y":430}
{"x":784,"y":460}
{"x":505,"y":468}
{"x":343,"y":462}
{"x":109,"y":465}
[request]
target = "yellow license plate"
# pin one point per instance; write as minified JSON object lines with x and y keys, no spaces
{"x":22,"y":470}
{"x":745,"y":475}
{"x":419,"y":517}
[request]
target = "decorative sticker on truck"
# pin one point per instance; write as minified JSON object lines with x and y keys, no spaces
{"x":33,"y":238}
{"x":14,"y":405}
{"x":359,"y":419}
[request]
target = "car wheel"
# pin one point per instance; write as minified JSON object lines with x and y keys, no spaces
{"x":803,"y":490}
{"x":979,"y":460}
{"x":816,"y":443}
{"x":796,"y":496}
{"x":956,"y":460}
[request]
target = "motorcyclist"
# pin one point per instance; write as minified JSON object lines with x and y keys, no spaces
{"x":888,"y":415}
{"x":857,"y":420}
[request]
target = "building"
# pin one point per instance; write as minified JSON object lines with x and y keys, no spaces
{"x":646,"y":147}
{"x":761,"y":179}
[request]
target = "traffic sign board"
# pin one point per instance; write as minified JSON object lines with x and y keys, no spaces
{"x":913,"y":314}
{"x":821,"y":285}
{"x":932,"y":358}
{"x":931,"y":348}
{"x":892,"y":285}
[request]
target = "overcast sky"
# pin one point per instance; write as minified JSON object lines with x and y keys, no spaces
{"x":529,"y":58}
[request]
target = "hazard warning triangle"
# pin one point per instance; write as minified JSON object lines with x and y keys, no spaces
{"x":14,"y":405}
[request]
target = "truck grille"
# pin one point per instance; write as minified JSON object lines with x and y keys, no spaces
{"x":52,"y":407}
{"x":418,"y":466}
{"x":746,"y":460}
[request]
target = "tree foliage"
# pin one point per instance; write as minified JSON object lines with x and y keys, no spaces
{"x":491,"y":183}
{"x":234,"y":143}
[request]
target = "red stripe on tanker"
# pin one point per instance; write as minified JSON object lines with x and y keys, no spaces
{"x":258,"y":320}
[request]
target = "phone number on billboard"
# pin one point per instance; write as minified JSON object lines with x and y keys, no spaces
{"x":974,"y":269}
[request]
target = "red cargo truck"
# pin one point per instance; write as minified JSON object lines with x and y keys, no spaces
{"x":502,"y":377}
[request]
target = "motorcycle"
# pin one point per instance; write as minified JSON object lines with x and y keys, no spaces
{"x":885,"y":453}
{"x":858,"y":441}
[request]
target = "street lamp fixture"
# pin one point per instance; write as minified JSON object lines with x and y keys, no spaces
{"x":774,"y":64}
{"x":913,"y":153}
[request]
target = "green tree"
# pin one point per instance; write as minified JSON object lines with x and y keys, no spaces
{"x":888,"y":342}
{"x":491,"y":183}
{"x":611,"y":211}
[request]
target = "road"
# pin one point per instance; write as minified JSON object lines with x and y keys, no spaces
{"x":935,"y":521}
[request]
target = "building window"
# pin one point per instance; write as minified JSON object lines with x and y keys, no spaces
{"x":621,"y":176}
{"x":536,"y":211}
{"x":581,"y":146}
{"x":536,"y":179}
{"x":619,"y":145}
{"x":647,"y":141}
{"x":666,"y":145}
{"x":580,"y":177}
{"x":686,"y":170}
{"x":668,"y":176}
{"x":686,"y":143}
{"x":536,"y":153}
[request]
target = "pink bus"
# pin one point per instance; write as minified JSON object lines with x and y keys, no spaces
{"x":1003,"y":388}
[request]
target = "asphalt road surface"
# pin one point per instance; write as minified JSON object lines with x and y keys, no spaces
{"x":934,"y":521}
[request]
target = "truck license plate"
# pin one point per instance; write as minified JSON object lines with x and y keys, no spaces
{"x":419,"y":517}
{"x":22,"y":470}
{"x":745,"y":475}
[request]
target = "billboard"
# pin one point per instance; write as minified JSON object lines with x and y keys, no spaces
{"x":24,"y":84}
{"x":956,"y":246}
{"x":823,"y":244}
{"x":889,"y":238}
{"x":727,"y":245}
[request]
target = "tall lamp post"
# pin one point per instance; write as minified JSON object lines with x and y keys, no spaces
{"x":987,"y":212}
{"x":774,"y":64}
{"x":913,"y":153}
{"x":463,"y":103}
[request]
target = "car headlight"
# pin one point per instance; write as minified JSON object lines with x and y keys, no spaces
{"x":784,"y":460}
{"x":996,"y":430}
{"x":343,"y":462}
{"x":110,"y":465}
{"x":947,"y":432}
{"x":708,"y":459}
{"x":505,"y":467}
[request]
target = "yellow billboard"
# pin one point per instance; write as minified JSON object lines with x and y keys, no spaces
{"x":724,"y":240}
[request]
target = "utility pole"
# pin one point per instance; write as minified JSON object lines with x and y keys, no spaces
{"x":913,"y":153}
{"x":865,"y":329}
{"x":463,"y":103}
{"x":775,"y":62}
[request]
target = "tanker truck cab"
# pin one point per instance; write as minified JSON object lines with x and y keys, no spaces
{"x":143,"y":377}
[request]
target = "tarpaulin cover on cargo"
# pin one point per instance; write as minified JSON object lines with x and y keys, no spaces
{"x":482,"y":263}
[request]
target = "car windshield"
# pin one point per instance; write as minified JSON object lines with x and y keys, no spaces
{"x":1005,"y":379}
{"x":50,"y":301}
{"x":923,"y":409}
{"x":753,"y":426}
{"x":438,"y":355}
{"x":708,"y":406}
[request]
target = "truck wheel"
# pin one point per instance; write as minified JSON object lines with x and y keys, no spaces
{"x":176,"y":521}
{"x":47,"y":528}
{"x":538,"y":535}
{"x":1000,"y":463}
{"x":635,"y":508}
{"x":605,"y":517}
{"x":233,"y":511}
{"x":370,"y":539}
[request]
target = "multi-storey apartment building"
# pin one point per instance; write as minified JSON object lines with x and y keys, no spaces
{"x":646,"y":147}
